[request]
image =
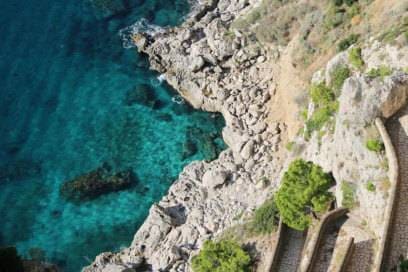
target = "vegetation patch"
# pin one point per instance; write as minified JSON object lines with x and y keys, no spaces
{"x":222,"y":256}
{"x":403,"y":265}
{"x":381,"y":71}
{"x":393,"y":33}
{"x":375,"y":145}
{"x":370,"y":186}
{"x":321,"y":94}
{"x":349,"y":194}
{"x":347,"y":42}
{"x":339,"y":75}
{"x":355,"y":57}
{"x":266,"y":218}
{"x":341,"y":11}
{"x":325,"y":107}
{"x":304,"y":190}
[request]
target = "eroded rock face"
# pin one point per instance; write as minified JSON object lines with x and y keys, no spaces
{"x":96,"y":183}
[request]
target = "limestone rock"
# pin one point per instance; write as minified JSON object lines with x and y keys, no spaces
{"x":214,"y":178}
{"x":248,"y":150}
{"x":197,"y":63}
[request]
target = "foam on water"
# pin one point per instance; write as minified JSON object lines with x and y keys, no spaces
{"x":63,"y":112}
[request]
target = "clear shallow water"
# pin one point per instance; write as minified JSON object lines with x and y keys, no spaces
{"x":63,"y":111}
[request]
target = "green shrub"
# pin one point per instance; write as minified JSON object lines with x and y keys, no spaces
{"x":10,"y":261}
{"x":381,"y":71}
{"x":320,"y":117}
{"x":347,"y":42}
{"x":339,"y":75}
{"x":374,"y":145}
{"x":353,"y":10}
{"x":341,"y":2}
{"x":266,"y":218}
{"x":349,"y":194}
{"x":370,"y":186}
{"x":304,"y":189}
{"x":334,"y":17}
{"x":403,"y":265}
{"x":222,"y":256}
{"x":321,"y":94}
{"x":390,"y":35}
{"x":355,"y":57}
{"x":326,"y":106}
{"x":350,"y":2}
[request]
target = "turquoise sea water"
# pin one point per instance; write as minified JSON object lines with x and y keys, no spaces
{"x":66,"y":89}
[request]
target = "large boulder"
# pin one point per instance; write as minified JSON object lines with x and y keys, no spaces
{"x":214,"y":178}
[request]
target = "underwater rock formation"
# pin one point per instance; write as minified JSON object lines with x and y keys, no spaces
{"x":19,"y":169}
{"x":10,"y":261}
{"x":96,"y":183}
{"x":142,"y":94}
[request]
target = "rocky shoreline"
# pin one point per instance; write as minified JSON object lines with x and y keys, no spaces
{"x":216,"y":71}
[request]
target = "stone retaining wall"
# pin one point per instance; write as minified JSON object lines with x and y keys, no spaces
{"x":393,"y":176}
{"x":346,"y":257}
{"x":278,"y":245}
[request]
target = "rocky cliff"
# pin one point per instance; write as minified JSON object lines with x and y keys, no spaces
{"x":220,"y":68}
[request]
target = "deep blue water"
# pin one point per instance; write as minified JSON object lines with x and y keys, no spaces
{"x":65,"y":81}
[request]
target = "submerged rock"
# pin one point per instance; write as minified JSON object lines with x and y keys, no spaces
{"x":10,"y":261}
{"x":189,"y":149}
{"x":109,"y":8}
{"x":19,"y":169}
{"x":205,"y":142}
{"x":142,"y":94}
{"x":96,"y":183}
{"x":36,"y":266}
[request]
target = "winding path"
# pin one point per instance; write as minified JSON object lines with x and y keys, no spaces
{"x":398,"y":235}
{"x":290,"y":251}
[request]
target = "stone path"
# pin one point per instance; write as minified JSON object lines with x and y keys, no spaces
{"x":361,"y":258}
{"x":398,"y":235}
{"x":291,"y":250}
{"x":325,"y":251}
